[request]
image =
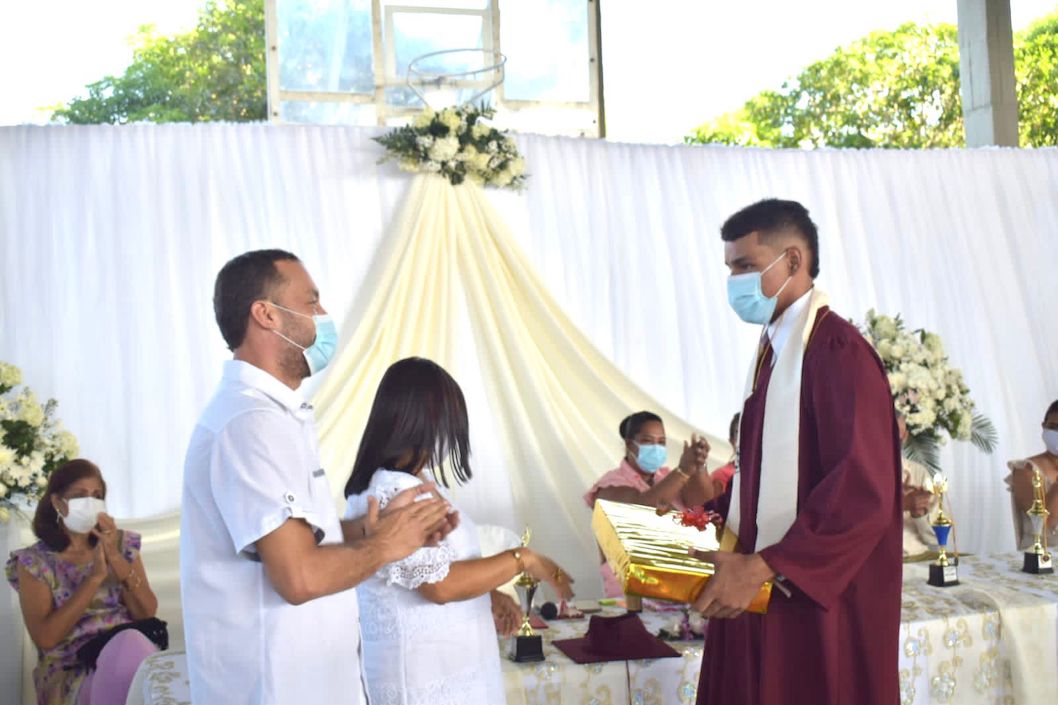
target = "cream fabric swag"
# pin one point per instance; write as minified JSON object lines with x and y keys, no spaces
{"x":451,"y":285}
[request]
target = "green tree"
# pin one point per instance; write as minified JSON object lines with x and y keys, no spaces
{"x":895,"y":89}
{"x":214,"y":72}
{"x":1036,"y":70}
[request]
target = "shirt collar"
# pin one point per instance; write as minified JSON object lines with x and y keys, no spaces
{"x":242,"y":372}
{"x":779,"y":332}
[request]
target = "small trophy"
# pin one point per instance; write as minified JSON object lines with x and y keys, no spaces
{"x":943,"y":572}
{"x":526,"y":645}
{"x":1038,"y":560}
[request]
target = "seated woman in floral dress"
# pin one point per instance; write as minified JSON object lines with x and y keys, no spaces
{"x":429,"y":622}
{"x":81,"y":579}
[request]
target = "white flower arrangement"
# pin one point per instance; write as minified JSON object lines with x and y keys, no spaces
{"x":33,"y":441}
{"x":457,"y":144}
{"x":927,"y":389}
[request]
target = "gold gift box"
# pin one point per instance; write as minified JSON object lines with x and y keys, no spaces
{"x":648,"y":553}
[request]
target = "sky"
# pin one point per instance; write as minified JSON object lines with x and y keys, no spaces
{"x":666,"y":69}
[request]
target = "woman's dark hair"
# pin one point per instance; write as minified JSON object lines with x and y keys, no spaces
{"x":1052,"y":409}
{"x":418,"y":413}
{"x":732,"y":430}
{"x":250,"y":277}
{"x":631,"y":425}
{"x":46,"y":520}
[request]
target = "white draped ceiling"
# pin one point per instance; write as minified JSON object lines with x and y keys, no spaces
{"x":110,"y":238}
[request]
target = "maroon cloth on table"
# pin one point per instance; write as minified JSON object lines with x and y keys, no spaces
{"x":622,"y":638}
{"x":836,"y":640}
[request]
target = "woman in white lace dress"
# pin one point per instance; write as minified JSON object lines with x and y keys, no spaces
{"x":1019,"y":482}
{"x":429,"y":622}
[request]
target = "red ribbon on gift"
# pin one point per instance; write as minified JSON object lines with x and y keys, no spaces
{"x":698,"y":518}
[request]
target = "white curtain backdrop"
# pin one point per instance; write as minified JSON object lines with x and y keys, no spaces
{"x":110,"y":238}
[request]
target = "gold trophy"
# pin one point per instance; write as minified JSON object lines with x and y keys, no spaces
{"x":526,"y":645}
{"x":943,"y":572}
{"x":1038,"y":560}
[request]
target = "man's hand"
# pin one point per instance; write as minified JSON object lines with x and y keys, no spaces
{"x":735,"y":583}
{"x":406,"y":497}
{"x":916,"y":500}
{"x":402,"y":531}
{"x":448,"y":525}
{"x":506,"y":613}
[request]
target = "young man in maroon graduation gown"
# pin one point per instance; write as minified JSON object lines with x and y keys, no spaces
{"x":836,"y":549}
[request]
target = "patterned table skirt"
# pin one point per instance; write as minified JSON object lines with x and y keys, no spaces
{"x":991,"y":640}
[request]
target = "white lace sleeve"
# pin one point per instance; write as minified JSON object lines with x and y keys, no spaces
{"x":428,"y":564}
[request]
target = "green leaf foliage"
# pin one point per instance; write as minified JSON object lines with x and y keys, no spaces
{"x":215,"y":72}
{"x":897,"y":90}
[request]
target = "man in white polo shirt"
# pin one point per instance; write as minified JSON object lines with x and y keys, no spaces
{"x":269,"y":614}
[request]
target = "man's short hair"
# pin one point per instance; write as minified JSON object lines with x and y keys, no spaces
{"x":247,"y":278}
{"x":772,"y":217}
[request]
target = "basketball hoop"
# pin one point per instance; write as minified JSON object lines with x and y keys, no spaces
{"x":455,"y":77}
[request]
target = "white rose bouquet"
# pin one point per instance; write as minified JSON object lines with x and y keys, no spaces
{"x":33,"y":441}
{"x":459,"y":145}
{"x":927,"y":390}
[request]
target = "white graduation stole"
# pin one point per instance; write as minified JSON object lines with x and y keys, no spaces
{"x":780,"y":447}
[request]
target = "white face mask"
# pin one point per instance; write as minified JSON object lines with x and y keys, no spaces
{"x":1050,"y":439}
{"x":84,"y":513}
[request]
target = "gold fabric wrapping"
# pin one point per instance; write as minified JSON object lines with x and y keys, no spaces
{"x":648,"y":553}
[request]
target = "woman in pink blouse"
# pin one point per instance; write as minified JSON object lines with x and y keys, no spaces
{"x":82,"y":579}
{"x":642,"y":477}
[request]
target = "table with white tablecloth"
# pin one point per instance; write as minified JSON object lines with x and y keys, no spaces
{"x":992,"y":639}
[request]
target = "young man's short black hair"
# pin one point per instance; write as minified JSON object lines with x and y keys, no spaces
{"x":247,"y":278}
{"x":773,"y":216}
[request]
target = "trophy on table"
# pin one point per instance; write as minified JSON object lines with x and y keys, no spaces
{"x":1038,"y":558}
{"x":526,"y":645}
{"x":942,"y":572}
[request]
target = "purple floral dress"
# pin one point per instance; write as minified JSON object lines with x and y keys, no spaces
{"x":58,"y":674}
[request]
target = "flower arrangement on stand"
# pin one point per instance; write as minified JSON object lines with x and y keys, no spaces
{"x":459,"y":145}
{"x":33,"y":442}
{"x":927,"y":390}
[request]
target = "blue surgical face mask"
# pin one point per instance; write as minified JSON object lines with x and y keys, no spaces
{"x":320,"y":353}
{"x":745,"y":295}
{"x":651,"y":457}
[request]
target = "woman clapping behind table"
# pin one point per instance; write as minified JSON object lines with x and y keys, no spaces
{"x":642,"y":477}
{"x":77,"y":584}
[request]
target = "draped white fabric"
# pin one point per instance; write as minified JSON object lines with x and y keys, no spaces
{"x":110,"y":238}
